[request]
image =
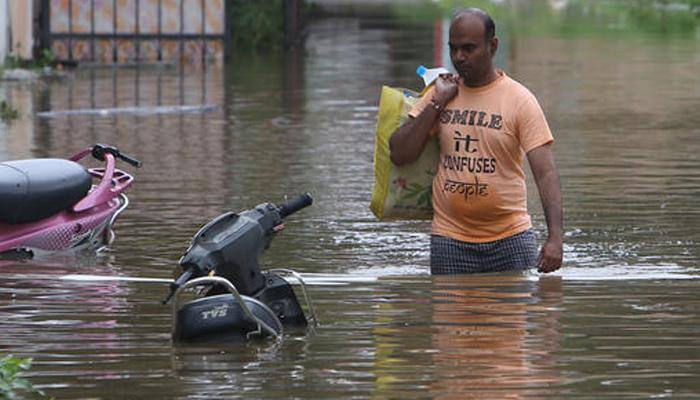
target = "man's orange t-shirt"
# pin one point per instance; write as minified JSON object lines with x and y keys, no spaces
{"x":479,"y":190}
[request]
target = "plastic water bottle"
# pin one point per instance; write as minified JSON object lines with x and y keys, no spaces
{"x":430,"y":74}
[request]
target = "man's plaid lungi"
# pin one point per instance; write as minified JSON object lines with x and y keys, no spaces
{"x":450,"y":256}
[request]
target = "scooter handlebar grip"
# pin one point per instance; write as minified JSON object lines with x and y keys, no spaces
{"x":130,"y":160}
{"x":295,"y":204}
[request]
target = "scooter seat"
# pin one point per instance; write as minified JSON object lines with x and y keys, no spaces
{"x":31,"y":190}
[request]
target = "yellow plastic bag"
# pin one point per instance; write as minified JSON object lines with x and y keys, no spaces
{"x":401,"y":192}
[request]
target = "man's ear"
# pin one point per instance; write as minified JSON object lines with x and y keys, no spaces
{"x":494,"y":45}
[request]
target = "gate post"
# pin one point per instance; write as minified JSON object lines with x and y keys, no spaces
{"x":292,"y":22}
{"x":228,"y":33}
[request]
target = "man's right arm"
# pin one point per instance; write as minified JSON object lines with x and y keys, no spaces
{"x":408,"y":142}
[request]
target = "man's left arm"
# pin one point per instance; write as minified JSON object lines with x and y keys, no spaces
{"x":543,"y":168}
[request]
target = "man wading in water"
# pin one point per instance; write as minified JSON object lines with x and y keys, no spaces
{"x":486,"y":124}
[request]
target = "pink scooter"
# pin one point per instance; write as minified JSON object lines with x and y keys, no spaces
{"x":51,"y":205}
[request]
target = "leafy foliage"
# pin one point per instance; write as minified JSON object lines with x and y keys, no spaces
{"x":10,"y":380}
{"x":256,"y":25}
{"x":7,"y":112}
{"x":46,"y":59}
{"x":13,"y":61}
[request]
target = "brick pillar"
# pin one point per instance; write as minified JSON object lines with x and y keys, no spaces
{"x":21,"y":27}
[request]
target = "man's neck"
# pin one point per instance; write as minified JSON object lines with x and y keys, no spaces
{"x":486,"y":80}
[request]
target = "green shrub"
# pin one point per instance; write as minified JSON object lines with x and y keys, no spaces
{"x":7,"y":112}
{"x":256,"y":25}
{"x":46,"y":59}
{"x":11,"y":382}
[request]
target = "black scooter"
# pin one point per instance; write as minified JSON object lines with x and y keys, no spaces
{"x":239,"y":301}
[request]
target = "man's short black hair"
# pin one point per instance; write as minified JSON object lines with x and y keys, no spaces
{"x":489,"y":25}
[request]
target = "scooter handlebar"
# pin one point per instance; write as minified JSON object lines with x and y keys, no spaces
{"x":99,"y":150}
{"x":295,"y":204}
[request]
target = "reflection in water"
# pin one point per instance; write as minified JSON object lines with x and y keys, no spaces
{"x":73,"y":320}
{"x":495,"y":336}
{"x":221,"y":373}
{"x":16,"y":136}
{"x":487,"y":337}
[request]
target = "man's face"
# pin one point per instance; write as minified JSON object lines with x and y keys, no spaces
{"x":470,"y":52}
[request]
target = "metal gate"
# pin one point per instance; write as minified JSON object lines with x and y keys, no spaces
{"x":126,"y":31}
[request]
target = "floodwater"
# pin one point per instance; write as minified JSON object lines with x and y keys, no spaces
{"x":621,"y":320}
